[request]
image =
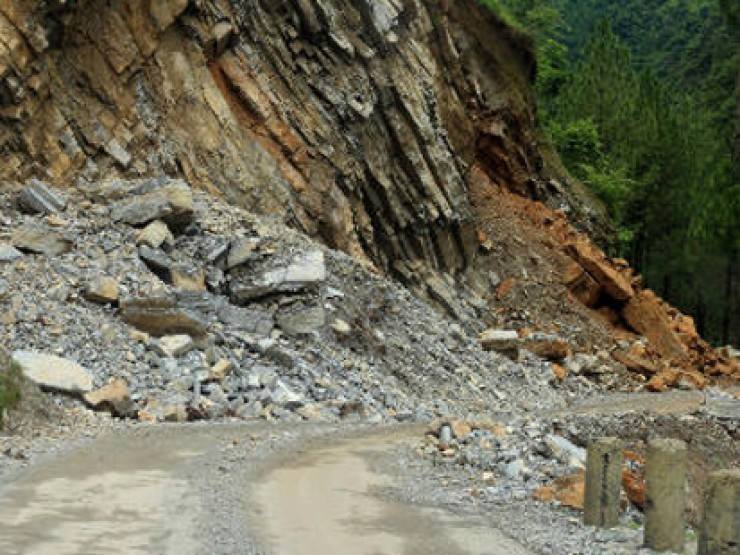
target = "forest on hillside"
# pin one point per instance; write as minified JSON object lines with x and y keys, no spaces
{"x":641,"y":100}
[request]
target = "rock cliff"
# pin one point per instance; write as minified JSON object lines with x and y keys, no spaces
{"x":402,"y":132}
{"x":358,"y":122}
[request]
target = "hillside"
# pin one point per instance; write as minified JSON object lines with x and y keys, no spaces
{"x":257,"y":226}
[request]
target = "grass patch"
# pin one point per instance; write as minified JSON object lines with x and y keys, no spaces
{"x":11,"y":379}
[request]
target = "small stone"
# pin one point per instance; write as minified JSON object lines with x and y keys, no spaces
{"x":157,"y":261}
{"x":311,"y":411}
{"x":515,"y":469}
{"x":241,"y":250}
{"x":139,"y":336}
{"x":549,"y":349}
{"x":283,"y":395}
{"x":155,"y":235}
{"x":460,"y":429}
{"x":103,"y":290}
{"x":341,"y":327}
{"x":564,"y":451}
{"x":559,"y":372}
{"x":445,"y":435}
{"x":40,"y":240}
{"x":9,"y":253}
{"x":220,"y":370}
{"x":173,"y":346}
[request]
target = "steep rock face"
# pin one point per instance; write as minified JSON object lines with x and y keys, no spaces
{"x":359,"y":121}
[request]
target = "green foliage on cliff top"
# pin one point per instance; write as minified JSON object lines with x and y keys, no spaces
{"x":639,"y":98}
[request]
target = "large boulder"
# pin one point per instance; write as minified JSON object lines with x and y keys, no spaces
{"x":114,"y":397}
{"x":53,"y":373}
{"x":595,"y":263}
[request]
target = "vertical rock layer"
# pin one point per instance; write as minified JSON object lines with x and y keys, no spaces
{"x":359,"y":121}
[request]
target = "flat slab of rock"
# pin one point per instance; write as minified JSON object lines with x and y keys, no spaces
{"x":160,"y":316}
{"x":172,"y":203}
{"x":304,"y":270}
{"x":38,"y":198}
{"x":41,"y":240}
{"x":53,"y":372}
{"x":615,"y":284}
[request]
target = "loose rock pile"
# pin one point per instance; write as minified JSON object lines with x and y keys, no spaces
{"x":171,"y":305}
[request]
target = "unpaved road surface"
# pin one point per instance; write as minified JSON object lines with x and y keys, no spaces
{"x":137,"y":494}
{"x":117,"y":497}
{"x":329,"y":500}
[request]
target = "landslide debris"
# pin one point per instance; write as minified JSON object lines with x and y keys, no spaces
{"x":279,"y":326}
{"x":543,"y":279}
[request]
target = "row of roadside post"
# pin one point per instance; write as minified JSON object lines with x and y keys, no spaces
{"x":665,"y":478}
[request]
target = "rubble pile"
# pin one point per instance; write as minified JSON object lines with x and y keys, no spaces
{"x":167,"y":304}
{"x":574,"y":294}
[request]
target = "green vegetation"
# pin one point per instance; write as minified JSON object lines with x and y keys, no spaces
{"x":639,"y":98}
{"x":10,"y":385}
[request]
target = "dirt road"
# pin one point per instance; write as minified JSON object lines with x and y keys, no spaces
{"x":329,"y":500}
{"x":141,"y":493}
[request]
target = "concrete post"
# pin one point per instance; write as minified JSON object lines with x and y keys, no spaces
{"x":720,"y":530}
{"x":603,"y":483}
{"x":665,"y":477}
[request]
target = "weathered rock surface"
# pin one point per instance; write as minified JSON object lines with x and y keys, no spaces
{"x":353,"y":123}
{"x":53,"y":373}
